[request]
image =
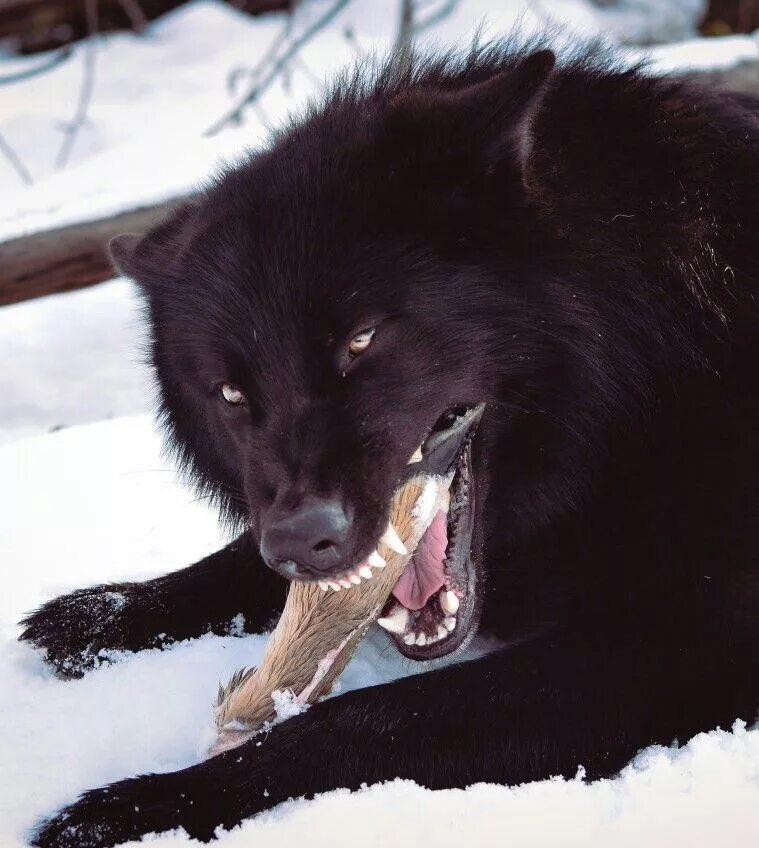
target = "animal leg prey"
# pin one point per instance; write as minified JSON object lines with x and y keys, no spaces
{"x":319,"y":631}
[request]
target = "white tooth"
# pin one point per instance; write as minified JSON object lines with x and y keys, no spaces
{"x":354,"y":578}
{"x":449,"y":602}
{"x":449,"y":624}
{"x":346,"y":584}
{"x":375,"y":560}
{"x":421,"y":639}
{"x":432,"y":639}
{"x":396,"y":620}
{"x":323,"y":585}
{"x":365,"y":572}
{"x":393,"y":540}
{"x":441,"y":632}
{"x":409,"y":638}
{"x":333,"y":585}
{"x":416,"y":456}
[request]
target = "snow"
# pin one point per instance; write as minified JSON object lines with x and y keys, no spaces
{"x":702,"y":54}
{"x":96,"y":503}
{"x":71,"y":359}
{"x":155,"y":95}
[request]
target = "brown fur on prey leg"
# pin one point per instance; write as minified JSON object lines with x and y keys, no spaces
{"x":319,"y":631}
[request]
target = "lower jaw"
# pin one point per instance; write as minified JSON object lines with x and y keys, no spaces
{"x":448,"y":620}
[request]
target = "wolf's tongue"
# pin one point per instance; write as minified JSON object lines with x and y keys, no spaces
{"x":425,"y":575}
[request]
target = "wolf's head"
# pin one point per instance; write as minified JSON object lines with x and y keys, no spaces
{"x":343,"y":306}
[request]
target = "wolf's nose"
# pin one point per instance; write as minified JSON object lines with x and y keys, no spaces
{"x":314,"y":536}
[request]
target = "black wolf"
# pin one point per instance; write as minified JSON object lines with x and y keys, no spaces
{"x":572,"y":245}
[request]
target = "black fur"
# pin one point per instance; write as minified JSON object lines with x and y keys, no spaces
{"x":575,"y":246}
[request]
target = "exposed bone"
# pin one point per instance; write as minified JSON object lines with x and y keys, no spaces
{"x":316,"y":634}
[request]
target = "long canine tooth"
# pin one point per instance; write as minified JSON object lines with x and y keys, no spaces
{"x":396,"y":621}
{"x":323,"y":585}
{"x":421,"y":639}
{"x":449,"y":624}
{"x":409,"y":638}
{"x":375,"y":560}
{"x":391,"y":538}
{"x":365,"y":572}
{"x":416,"y":456}
{"x":449,"y":602}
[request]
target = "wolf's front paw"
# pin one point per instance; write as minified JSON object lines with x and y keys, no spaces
{"x":76,"y":631}
{"x":121,"y":812}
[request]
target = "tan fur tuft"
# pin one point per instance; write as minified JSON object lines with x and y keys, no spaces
{"x":315,"y":627}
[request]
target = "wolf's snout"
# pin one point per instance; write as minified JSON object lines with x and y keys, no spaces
{"x":312,"y":537}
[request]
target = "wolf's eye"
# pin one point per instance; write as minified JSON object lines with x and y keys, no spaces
{"x":361,"y":341}
{"x":232,"y":394}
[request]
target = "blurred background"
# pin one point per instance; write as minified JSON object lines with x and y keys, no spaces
{"x":110,"y":110}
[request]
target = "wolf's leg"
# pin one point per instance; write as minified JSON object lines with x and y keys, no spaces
{"x":229,"y":591}
{"x":540,"y":709}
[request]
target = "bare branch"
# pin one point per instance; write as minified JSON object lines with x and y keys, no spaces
{"x":137,"y":18}
{"x":405,"y":35}
{"x":16,"y":163}
{"x":264,"y":80}
{"x":435,"y":17}
{"x":53,"y":62}
{"x":350,"y":37}
{"x":298,"y":62}
{"x":71,"y":130}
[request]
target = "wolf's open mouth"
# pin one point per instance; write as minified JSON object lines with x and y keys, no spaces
{"x":432,"y":609}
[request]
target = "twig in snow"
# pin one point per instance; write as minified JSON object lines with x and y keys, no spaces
{"x":263,"y":79}
{"x":71,"y":130}
{"x":53,"y":62}
{"x":16,"y":163}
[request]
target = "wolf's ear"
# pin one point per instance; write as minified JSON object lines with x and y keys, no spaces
{"x":477,"y":124}
{"x":500,"y":108}
{"x":505,"y":97}
{"x":122,"y":250}
{"x":150,"y":258}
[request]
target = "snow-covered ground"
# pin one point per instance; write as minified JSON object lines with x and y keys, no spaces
{"x":96,"y":502}
{"x":72,"y":358}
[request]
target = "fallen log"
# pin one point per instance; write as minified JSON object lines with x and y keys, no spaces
{"x":67,"y":258}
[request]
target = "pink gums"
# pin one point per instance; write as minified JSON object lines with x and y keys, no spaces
{"x":425,"y":573}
